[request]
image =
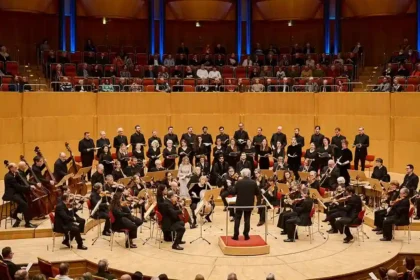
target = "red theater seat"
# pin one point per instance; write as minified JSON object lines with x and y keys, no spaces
{"x":12,"y":67}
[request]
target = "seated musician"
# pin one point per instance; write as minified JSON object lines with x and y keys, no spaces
{"x":204,"y":166}
{"x":157,"y":166}
{"x":118,"y":173}
{"x":98,"y":176}
{"x":280,"y":164}
{"x":60,"y":166}
{"x":313,"y":183}
{"x":306,"y":167}
{"x":196,"y":193}
{"x":109,"y":185}
{"x":171,"y":182}
{"x":38,"y":167}
{"x":219,"y":148}
{"x":389,"y":197}
{"x":287,"y":178}
{"x":137,"y":185}
{"x":171,"y":220}
{"x":299,"y":216}
{"x":380,"y":172}
{"x":65,"y":222}
{"x":15,"y":190}
{"x":220,"y":167}
{"x":102,"y":212}
{"x":124,"y":219}
{"x":398,"y":214}
{"x":228,"y":182}
{"x":243,"y":163}
{"x":133,"y":168}
{"x":348,"y":214}
{"x":329,"y":175}
{"x":161,"y":193}
{"x":293,"y":197}
{"x":335,"y":204}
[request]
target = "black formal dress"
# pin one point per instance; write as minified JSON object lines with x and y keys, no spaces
{"x":173,"y":137}
{"x":351,"y":216}
{"x":103,"y":210}
{"x":217,"y":151}
{"x":224,"y":138}
{"x":60,"y":169}
{"x":101,"y":143}
{"x":278,"y":153}
{"x":169,"y":155}
{"x":205,"y":168}
{"x":256,"y":141}
{"x":185,"y":152}
{"x":118,"y":141}
{"x":153,"y":138}
{"x":117,"y":174}
{"x":336,"y":143}
{"x":189,"y":138}
{"x":300,"y":216}
{"x":15,"y":191}
{"x":250,"y":154}
{"x":232,"y":155}
{"x":324,"y":155}
{"x":123,"y":158}
{"x":87,"y":156}
{"x":360,"y":153}
{"x":106,"y":160}
{"x":398,"y":215}
{"x":139,"y":155}
{"x":312,"y":156}
{"x":245,"y":190}
{"x":243,"y":136}
{"x":317,"y":139}
{"x":294,"y":155}
{"x":346,"y":155}
{"x":264,"y":159}
{"x":207,"y":141}
{"x":278,"y":137}
{"x":153,"y":155}
{"x":381,"y":173}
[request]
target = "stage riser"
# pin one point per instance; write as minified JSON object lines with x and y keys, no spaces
{"x":414,"y":226}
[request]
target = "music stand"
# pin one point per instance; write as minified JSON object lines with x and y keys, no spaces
{"x":359,"y":177}
{"x":303,"y":175}
{"x":200,"y":206}
{"x":124,"y":181}
{"x":146,"y":215}
{"x":280,"y":174}
{"x":64,"y":180}
{"x":267,"y":172}
{"x":314,"y":194}
{"x":375,"y":188}
{"x":157,"y":175}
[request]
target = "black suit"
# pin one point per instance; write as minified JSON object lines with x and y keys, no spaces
{"x":15,"y":191}
{"x":97,"y":178}
{"x":300,"y":216}
{"x":173,"y":137}
{"x":411,"y":182}
{"x":118,"y":141}
{"x":137,"y":138}
{"x":398,"y":216}
{"x":189,"y":138}
{"x":124,"y":220}
{"x":101,"y":143}
{"x":12,"y":268}
{"x":171,"y":221}
{"x":87,"y":156}
{"x":60,"y":169}
{"x":64,"y":223}
{"x":218,"y":169}
{"x":331,"y":181}
{"x":242,"y":165}
{"x":351,"y":209}
{"x":241,"y":134}
{"x":360,"y":153}
{"x":336,"y":140}
{"x":246,"y":190}
{"x":317,"y":140}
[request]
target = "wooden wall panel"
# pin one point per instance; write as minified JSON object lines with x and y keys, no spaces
{"x":133,"y":103}
{"x":181,"y":122}
{"x":274,"y":103}
{"x":405,"y":104}
{"x":111,"y":123}
{"x":406,"y":129}
{"x":406,"y":153}
{"x":206,"y":103}
{"x":353,"y":103}
{"x":12,"y":105}
{"x":40,"y":104}
{"x":269,"y":124}
{"x":58,"y":128}
{"x":50,"y":150}
{"x":10,"y":130}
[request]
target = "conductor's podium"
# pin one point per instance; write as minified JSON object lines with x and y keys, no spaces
{"x":253,"y":247}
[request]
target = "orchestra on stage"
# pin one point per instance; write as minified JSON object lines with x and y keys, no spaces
{"x":136,"y":181}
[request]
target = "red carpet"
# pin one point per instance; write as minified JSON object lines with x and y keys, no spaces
{"x":254,"y":241}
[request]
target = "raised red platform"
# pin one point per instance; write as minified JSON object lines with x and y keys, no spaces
{"x":256,"y":245}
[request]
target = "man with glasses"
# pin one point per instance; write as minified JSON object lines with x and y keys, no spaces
{"x":7,"y":255}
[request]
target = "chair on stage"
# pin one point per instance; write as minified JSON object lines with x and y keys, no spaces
{"x":309,"y":227}
{"x":370,"y":159}
{"x":4,"y":271}
{"x":159,"y":231}
{"x":52,"y":220}
{"x":406,"y":227}
{"x":124,"y":230}
{"x":7,"y":207}
{"x":98,"y":221}
{"x":359,"y":226}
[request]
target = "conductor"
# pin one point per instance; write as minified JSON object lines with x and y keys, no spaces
{"x":246,"y":190}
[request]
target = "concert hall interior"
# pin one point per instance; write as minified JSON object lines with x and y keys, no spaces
{"x":136,"y":134}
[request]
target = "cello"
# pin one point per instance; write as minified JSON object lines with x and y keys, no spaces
{"x":48,"y":175}
{"x":75,"y":185}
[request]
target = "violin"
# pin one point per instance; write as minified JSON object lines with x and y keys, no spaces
{"x":105,"y":194}
{"x":342,"y":199}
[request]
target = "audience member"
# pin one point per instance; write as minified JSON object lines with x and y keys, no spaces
{"x":308,"y":49}
{"x":325,"y":87}
{"x":136,"y":85}
{"x":416,"y":72}
{"x":219,"y":49}
{"x":258,"y":50}
{"x":181,"y":60}
{"x":389,"y":71}
{"x":269,"y":86}
{"x":128,"y":61}
{"x":163,"y":86}
{"x":102,"y":59}
{"x":137,"y":275}
{"x":118,"y":62}
{"x":293,"y":72}
{"x":24,"y":85}
{"x":83,"y":72}
{"x":219,"y":61}
{"x":409,"y":264}
{"x":87,"y":276}
{"x":416,"y":273}
{"x":7,"y":255}
{"x":298,"y":60}
{"x":296,"y":49}
{"x":111,"y":72}
{"x":89,"y":46}
{"x":163,"y":73}
{"x":324,"y":60}
{"x":189,"y":73}
{"x":284,"y":61}
{"x":63,"y":272}
{"x":163,"y":277}
{"x":125,"y":277}
{"x":214,"y":74}
{"x":257,"y":87}
{"x":150,"y":72}
{"x":232,"y":276}
{"x":136,"y":72}
{"x":42,"y":277}
{"x":202,"y":73}
{"x":4,"y":55}
{"x":207,"y":49}
{"x":270,"y":277}
{"x":254,"y":73}
{"x":176,"y":73}
{"x":96,"y":72}
{"x":233,"y":61}
{"x":346,"y":72}
{"x":247,"y":61}
{"x":271,"y":50}
{"x":311,"y":85}
{"x":405,"y":46}
{"x":182,"y":49}
{"x":280,"y":74}
{"x":412,"y":57}
{"x":206,"y":61}
{"x":382,"y":272}
{"x":357,"y":49}
{"x":107,"y":86}
{"x":266,"y":72}
{"x":155,"y":60}
{"x":65,"y":86}
{"x":270,"y":61}
{"x":385,"y":86}
{"x":169,"y":61}
{"x":199,"y":277}
{"x":63,"y":59}
{"x":339,"y":60}
{"x":400,"y":58}
{"x":177,"y":87}
{"x":103,"y":270}
{"x":306,"y":72}
{"x":120,"y":85}
{"x":333,"y":71}
{"x":402,"y":71}
{"x":194,"y":60}
{"x":241,"y":86}
{"x":352,"y":59}
{"x":392,"y":275}
{"x":310,"y":62}
{"x":22,"y":274}
{"x":318,"y":71}
{"x":90,"y":58}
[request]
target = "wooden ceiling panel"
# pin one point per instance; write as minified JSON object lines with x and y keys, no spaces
{"x":30,"y":6}
{"x":201,"y":10}
{"x":288,"y":10}
{"x":112,"y":9}
{"x":367,"y":8}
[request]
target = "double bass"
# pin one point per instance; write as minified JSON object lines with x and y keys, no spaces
{"x":48,"y":175}
{"x":38,"y":199}
{"x":75,"y":185}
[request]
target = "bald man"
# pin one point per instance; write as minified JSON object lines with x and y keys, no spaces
{"x":392,"y":275}
{"x":60,"y":166}
{"x":199,"y":277}
{"x":102,"y":142}
{"x":120,"y":139}
{"x":125,"y":277}
{"x":15,"y":190}
{"x":21,"y":274}
{"x":279,"y":136}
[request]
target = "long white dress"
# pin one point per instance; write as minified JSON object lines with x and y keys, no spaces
{"x":183,"y":171}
